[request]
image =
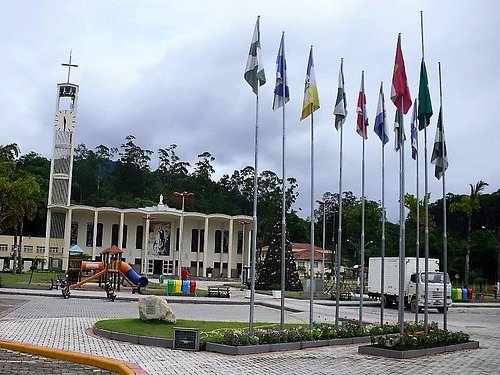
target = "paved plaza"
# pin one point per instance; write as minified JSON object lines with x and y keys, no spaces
{"x":45,"y":319}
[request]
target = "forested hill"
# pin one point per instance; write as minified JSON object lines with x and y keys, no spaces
{"x":122,"y":177}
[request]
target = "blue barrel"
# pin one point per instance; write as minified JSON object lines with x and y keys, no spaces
{"x":185,"y":286}
{"x":464,"y":294}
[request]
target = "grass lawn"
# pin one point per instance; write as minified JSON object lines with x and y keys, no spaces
{"x":156,"y":328}
{"x":39,"y":280}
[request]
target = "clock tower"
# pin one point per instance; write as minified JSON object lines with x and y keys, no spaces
{"x":61,"y":168}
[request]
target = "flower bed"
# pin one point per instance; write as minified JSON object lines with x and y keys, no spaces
{"x":387,"y":338}
{"x":414,"y":342}
{"x":264,"y":340}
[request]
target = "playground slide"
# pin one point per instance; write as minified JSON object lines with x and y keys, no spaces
{"x":90,"y":278}
{"x":133,"y":276}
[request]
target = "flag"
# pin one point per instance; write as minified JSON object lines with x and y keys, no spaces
{"x":340,"y":110}
{"x":424,"y":99}
{"x":400,"y":91}
{"x":311,"y":98}
{"x":281,"y":93}
{"x":414,"y":132}
{"x":399,"y":132}
{"x":439,"y":155}
{"x":380,"y":126}
{"x":362,"y":120}
{"x":254,"y":71}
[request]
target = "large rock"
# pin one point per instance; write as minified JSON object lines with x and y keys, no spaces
{"x":155,"y":308}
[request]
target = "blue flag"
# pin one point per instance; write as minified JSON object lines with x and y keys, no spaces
{"x":281,"y":92}
{"x":380,"y":127}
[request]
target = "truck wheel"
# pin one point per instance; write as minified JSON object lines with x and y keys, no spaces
{"x":387,"y":301}
{"x":441,"y":310}
{"x":413,"y":305}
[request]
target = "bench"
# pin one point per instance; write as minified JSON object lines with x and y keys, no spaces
{"x":136,"y":289}
{"x":218,"y":291}
{"x":344,"y":295}
{"x":55,"y":284}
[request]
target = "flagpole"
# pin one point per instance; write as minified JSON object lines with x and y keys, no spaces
{"x":311,"y":258}
{"x":382,"y":250}
{"x":254,"y":218}
{"x":445,"y":235}
{"x":417,"y":244}
{"x":283,"y":208}
{"x":426,"y":206}
{"x":339,"y":235}
{"x":338,"y":256}
{"x":255,"y":76}
{"x":362,"y":244}
{"x":401,"y":306}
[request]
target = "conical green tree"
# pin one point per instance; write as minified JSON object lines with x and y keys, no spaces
{"x":269,"y":271}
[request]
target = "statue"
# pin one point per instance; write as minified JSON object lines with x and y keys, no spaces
{"x":161,"y":200}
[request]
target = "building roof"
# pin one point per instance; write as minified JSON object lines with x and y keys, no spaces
{"x":112,"y":250}
{"x":302,"y":251}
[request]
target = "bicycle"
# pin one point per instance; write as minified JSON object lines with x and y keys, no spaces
{"x":64,"y":284}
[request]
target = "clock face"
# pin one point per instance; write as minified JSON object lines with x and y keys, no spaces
{"x":65,"y":120}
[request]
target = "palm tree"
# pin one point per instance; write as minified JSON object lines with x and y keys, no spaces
{"x":9,"y":152}
{"x":468,"y":204}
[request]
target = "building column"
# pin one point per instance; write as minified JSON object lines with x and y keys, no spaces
{"x":47,"y":239}
{"x":120,"y":231}
{"x":67,"y":239}
{"x":230,"y":248}
{"x":94,"y":235}
{"x":145,"y":244}
{"x":205,"y":248}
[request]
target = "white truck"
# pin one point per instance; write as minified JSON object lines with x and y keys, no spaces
{"x":391,"y":283}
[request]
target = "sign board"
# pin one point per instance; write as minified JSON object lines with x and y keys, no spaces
{"x":186,"y":338}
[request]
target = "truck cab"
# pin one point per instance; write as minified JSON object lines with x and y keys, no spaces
{"x":435,"y":291}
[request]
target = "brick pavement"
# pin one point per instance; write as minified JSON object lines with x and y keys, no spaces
{"x":12,"y":362}
{"x":58,"y":323}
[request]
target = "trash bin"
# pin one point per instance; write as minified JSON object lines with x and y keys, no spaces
{"x":185,"y":286}
{"x":470,"y":293}
{"x":192,"y":286}
{"x":178,"y":286}
{"x":458,"y":294}
{"x":464,"y":294}
{"x":170,"y":285}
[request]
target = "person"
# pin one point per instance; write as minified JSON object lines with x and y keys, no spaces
{"x":184,"y":273}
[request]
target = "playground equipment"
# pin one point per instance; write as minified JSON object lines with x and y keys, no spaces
{"x":111,"y":270}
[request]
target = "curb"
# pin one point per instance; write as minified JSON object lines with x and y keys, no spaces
{"x":85,"y":359}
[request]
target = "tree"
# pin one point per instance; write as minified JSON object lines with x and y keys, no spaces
{"x":269,"y":271}
{"x":19,"y":194}
{"x":468,"y":204}
{"x":170,"y":165}
{"x":9,"y":152}
{"x":204,"y":168}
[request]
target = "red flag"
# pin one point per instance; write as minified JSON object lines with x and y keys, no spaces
{"x":400,"y":93}
{"x":362,"y":120}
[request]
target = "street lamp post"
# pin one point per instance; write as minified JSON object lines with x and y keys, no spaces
{"x":356,"y":249}
{"x":324,"y":203}
{"x":243,"y":223}
{"x":184,"y":194}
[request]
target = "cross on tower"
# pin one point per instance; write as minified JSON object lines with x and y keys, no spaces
{"x":69,"y":65}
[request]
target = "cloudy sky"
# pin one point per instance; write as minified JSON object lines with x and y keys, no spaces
{"x":172,"y":72}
